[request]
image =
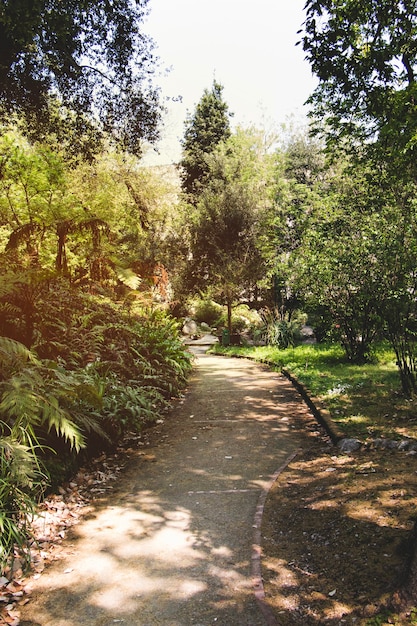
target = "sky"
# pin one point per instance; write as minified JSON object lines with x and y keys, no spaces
{"x":248,"y":46}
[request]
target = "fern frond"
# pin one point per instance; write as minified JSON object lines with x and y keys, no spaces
{"x":128,"y":277}
{"x":54,"y":417}
{"x":21,"y":234}
{"x":13,"y":356}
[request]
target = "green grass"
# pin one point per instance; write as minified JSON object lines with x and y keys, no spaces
{"x":364,"y":400}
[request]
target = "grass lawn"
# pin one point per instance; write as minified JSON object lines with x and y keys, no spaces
{"x":364,"y":400}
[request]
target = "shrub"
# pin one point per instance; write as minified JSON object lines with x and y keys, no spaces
{"x":207,"y":311}
{"x":277,"y":331}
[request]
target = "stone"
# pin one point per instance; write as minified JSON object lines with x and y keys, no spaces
{"x":404,"y":445}
{"x":349,"y":445}
{"x":190,"y":327}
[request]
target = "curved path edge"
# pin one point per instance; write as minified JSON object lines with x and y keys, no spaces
{"x":256,"y":562}
{"x":162,"y":549}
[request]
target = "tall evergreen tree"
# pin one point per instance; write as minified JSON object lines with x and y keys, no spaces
{"x":209,"y":125}
{"x":225,"y":259}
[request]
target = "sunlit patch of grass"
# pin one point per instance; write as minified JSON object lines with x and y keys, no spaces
{"x":365,"y":400}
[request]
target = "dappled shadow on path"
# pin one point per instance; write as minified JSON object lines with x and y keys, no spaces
{"x":173,"y":543}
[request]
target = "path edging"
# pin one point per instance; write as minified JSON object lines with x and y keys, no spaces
{"x":256,"y":560}
{"x":321,"y":414}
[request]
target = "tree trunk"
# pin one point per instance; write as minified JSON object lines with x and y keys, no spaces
{"x":229,"y":315}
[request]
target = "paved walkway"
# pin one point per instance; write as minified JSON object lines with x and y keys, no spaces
{"x":176,"y":545}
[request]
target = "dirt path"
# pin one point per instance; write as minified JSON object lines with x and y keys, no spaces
{"x":173,"y":544}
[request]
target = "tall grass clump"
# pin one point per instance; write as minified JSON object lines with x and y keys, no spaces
{"x":278,"y":330}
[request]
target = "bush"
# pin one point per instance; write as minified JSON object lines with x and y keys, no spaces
{"x":239,"y":323}
{"x":207,"y":311}
{"x":277,"y":331}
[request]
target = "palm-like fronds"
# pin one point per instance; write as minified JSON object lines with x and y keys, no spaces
{"x":21,"y":484}
{"x":14,"y":356}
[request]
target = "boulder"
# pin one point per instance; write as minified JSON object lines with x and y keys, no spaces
{"x":349,"y":445}
{"x":190,"y":328}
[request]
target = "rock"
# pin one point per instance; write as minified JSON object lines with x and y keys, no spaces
{"x":392,"y":445}
{"x":385,"y":444}
{"x":404,"y":445}
{"x":190,"y":327}
{"x":349,"y":445}
{"x":378,"y":443}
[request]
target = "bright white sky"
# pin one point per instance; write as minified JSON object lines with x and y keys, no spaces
{"x":246,"y":45}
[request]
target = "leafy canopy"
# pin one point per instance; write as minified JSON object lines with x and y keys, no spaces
{"x":86,"y":65}
{"x":365,"y":56}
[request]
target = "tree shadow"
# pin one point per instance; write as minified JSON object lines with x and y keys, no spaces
{"x":173,"y":544}
{"x":336,"y":554}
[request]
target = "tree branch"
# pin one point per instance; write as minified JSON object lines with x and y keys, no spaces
{"x":409,"y":69}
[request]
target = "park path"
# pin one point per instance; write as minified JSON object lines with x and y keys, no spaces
{"x":175,"y":543}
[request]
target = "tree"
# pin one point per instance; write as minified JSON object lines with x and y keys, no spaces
{"x":98,"y":221}
{"x":338,"y":265}
{"x":365,"y":56}
{"x":225,"y":256}
{"x":299,"y":169}
{"x":67,"y":68}
{"x":304,"y":160}
{"x":208,"y":126}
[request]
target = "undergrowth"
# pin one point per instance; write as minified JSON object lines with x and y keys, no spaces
{"x":92,"y":373}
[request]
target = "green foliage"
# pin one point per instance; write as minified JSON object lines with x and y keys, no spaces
{"x":207,"y":311}
{"x":365,"y":57}
{"x":237,"y":322}
{"x":339,"y":265}
{"x":387,"y":618}
{"x":278,"y":331}
{"x":204,"y":131}
{"x":224,"y":257}
{"x":304,"y":160}
{"x":98,"y":372}
{"x":21,"y":485}
{"x":36,"y":395}
{"x":140,"y":349}
{"x":63,"y":70}
{"x":94,"y":223}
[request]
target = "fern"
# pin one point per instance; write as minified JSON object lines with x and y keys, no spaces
{"x":26,"y":401}
{"x":128,"y":277}
{"x":13,"y":357}
{"x":41,"y":394}
{"x":21,"y":485}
